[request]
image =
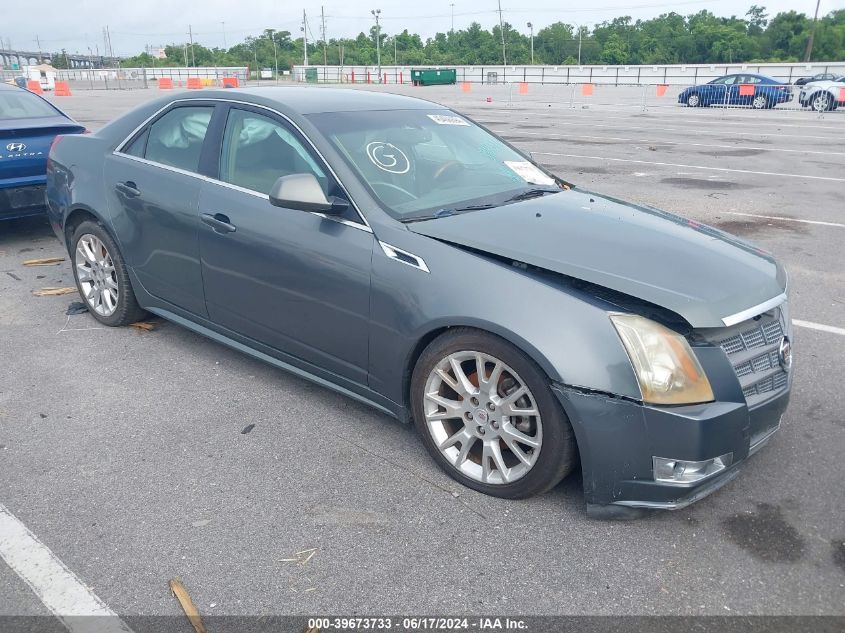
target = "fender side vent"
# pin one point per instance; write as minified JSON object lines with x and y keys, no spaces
{"x":404,"y":256}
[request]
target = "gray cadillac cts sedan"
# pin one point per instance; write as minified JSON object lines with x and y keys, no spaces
{"x":391,"y":249}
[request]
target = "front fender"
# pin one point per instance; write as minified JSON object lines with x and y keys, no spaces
{"x":566,"y":332}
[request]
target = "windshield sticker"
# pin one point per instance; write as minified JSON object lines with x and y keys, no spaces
{"x":388,"y":157}
{"x":528,"y":172}
{"x":443,"y":119}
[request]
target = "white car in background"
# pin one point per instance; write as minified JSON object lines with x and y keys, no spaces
{"x":823,"y":95}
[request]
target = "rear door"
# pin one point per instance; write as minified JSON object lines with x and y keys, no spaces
{"x":153,"y":185}
{"x":296,"y":281}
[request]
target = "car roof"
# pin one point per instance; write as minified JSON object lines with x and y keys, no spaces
{"x":313,"y":100}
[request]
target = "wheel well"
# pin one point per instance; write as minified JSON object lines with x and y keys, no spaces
{"x":77,"y":217}
{"x":412,"y":361}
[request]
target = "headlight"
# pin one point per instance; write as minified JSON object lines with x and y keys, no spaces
{"x":666,"y":368}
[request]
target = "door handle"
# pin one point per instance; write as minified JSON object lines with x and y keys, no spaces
{"x":128,"y":188}
{"x":219,"y":222}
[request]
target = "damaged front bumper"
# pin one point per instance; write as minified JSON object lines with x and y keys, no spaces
{"x":628,"y":449}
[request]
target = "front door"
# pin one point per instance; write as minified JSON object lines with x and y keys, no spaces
{"x":296,"y":281}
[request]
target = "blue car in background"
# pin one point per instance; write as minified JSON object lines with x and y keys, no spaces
{"x":28,"y":126}
{"x":745,"y":89}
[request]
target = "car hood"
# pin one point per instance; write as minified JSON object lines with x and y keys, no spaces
{"x":694,"y":270}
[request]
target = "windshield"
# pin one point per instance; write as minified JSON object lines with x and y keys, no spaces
{"x":419,"y":163}
{"x":20,"y":104}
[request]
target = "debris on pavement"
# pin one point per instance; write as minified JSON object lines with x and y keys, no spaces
{"x":301,"y":557}
{"x":181,"y":593}
{"x":247,"y":429}
{"x":13,"y":275}
{"x":77,"y":307}
{"x":143,"y":326}
{"x":44,"y":261}
{"x":53,"y":292}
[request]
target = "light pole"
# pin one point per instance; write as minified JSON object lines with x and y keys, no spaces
{"x":531,"y":28}
{"x":376,"y":13}
{"x":579,"y":44}
{"x":223,"y":24}
{"x":502,"y":31}
{"x":452,"y":30}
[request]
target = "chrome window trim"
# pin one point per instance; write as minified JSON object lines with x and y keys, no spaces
{"x":393,"y":253}
{"x":739,"y":317}
{"x":363,"y":225}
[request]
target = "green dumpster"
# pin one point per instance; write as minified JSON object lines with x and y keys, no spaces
{"x":311,"y":75}
{"x":433,"y":76}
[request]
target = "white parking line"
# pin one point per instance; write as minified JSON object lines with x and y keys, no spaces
{"x":505,"y":133}
{"x":820,"y":327}
{"x":685,"y":130}
{"x":781,"y":218}
{"x":724,"y":169}
{"x":54,"y":584}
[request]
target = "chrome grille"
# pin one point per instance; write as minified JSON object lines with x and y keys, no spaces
{"x":752,"y":347}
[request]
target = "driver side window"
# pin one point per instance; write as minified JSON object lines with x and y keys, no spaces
{"x":257,"y":150}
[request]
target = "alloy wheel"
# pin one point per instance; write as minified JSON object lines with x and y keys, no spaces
{"x":821,"y":102}
{"x":482,"y":417}
{"x":759,"y":102}
{"x":693,"y":100}
{"x":97,"y":275}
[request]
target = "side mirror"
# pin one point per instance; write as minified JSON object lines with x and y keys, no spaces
{"x":304,"y":193}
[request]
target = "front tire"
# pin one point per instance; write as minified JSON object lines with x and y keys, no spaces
{"x":101,"y":276}
{"x":694,"y":100}
{"x":760,"y":102}
{"x":822,"y":102}
{"x":488,"y":417}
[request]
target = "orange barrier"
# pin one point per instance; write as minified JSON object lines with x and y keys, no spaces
{"x":62,"y":89}
{"x":746,"y":90}
{"x":34,"y":86}
{"x":165,"y":83}
{"x":230,"y":82}
{"x":194,"y":83}
{"x":523,"y":88}
{"x":466,"y":86}
{"x":842,"y":94}
{"x":661,"y":89}
{"x":586,"y":89}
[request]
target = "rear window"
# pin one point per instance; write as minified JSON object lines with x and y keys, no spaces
{"x":20,"y":104}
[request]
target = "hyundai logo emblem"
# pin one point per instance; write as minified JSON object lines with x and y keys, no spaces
{"x":785,"y":353}
{"x":15,"y":147}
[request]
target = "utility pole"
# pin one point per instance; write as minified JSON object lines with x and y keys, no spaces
{"x":275,"y":53}
{"x":38,"y":41}
{"x":579,"y":44}
{"x":304,"y":38}
{"x":325,"y":43}
{"x":452,"y":30}
{"x":395,"y":61}
{"x":376,"y":13}
{"x":191,"y":38}
{"x":223,"y":24}
{"x":531,"y":28}
{"x":502,"y":29}
{"x":809,"y":52}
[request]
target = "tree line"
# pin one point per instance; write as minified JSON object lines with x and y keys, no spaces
{"x":668,"y":39}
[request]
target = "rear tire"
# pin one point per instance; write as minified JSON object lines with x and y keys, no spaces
{"x":760,"y":102}
{"x":102,"y":277}
{"x":509,"y":448}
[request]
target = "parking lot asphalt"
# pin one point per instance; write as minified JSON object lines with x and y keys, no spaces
{"x":129,"y":454}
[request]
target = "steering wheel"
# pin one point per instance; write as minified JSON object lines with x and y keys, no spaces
{"x":449,"y":167}
{"x":391,"y":186}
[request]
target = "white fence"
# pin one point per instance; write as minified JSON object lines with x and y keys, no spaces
{"x":680,"y":74}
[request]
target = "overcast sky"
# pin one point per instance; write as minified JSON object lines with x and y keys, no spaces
{"x":76,"y":25}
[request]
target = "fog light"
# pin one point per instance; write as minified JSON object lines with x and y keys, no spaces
{"x":679,"y":471}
